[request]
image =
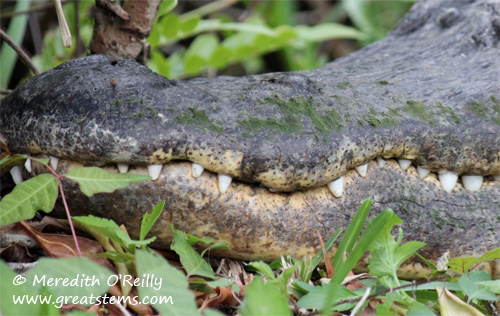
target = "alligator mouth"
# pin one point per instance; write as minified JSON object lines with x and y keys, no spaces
{"x":446,"y":180}
{"x":259,"y":224}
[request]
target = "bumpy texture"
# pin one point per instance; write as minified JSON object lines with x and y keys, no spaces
{"x":429,"y":92}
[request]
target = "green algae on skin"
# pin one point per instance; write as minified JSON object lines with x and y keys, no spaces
{"x":198,"y":118}
{"x":344,"y":85}
{"x":486,"y":110}
{"x":446,"y":111}
{"x":418,"y":110}
{"x":291,"y":120}
{"x":383,"y":119}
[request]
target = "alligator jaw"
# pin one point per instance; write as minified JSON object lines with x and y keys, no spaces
{"x":262,"y":225}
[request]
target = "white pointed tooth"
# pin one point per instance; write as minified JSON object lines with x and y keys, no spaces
{"x":16,"y":173}
{"x":362,"y":169}
{"x":423,"y":172}
{"x":154,"y":171}
{"x":381,"y":162}
{"x":54,"y":161}
{"x":197,"y":170}
{"x":472,"y":183}
{"x":224,"y":182}
{"x":122,"y":167}
{"x":27,"y":165}
{"x":496,"y":177}
{"x":337,"y":187}
{"x":404,"y":163}
{"x":448,"y":180}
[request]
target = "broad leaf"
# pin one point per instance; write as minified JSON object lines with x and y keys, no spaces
{"x":264,"y":299}
{"x":14,"y":285}
{"x":28,"y":197}
{"x":84,"y":277}
{"x":191,"y":260}
{"x":110,"y":229}
{"x":167,"y":284}
{"x":94,"y":180}
{"x":471,"y":286}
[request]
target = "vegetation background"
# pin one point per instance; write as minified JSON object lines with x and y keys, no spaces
{"x":207,"y":38}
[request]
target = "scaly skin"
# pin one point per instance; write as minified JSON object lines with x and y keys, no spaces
{"x":422,"y":93}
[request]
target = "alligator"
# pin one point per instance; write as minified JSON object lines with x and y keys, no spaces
{"x":266,"y":162}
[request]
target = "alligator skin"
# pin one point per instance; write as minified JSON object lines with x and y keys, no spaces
{"x":428,"y":93}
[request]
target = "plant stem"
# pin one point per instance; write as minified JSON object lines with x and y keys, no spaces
{"x":66,"y":208}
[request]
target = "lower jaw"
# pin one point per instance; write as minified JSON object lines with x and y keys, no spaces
{"x":260,"y":225}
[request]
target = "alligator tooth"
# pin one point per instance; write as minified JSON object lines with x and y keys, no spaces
{"x":362,"y":169}
{"x":16,"y":173}
{"x":404,"y":163}
{"x":422,"y":172}
{"x":381,"y":162}
{"x":197,"y":170}
{"x":27,"y":165}
{"x":496,"y":177}
{"x":448,"y":180}
{"x":224,"y":182}
{"x":154,"y":171}
{"x":337,"y":187}
{"x":54,"y":161}
{"x":472,"y":183}
{"x":122,"y":167}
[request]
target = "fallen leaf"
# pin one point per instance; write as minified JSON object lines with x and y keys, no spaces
{"x":451,"y":305}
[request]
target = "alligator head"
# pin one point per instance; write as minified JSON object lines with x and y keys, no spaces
{"x":266,"y":162}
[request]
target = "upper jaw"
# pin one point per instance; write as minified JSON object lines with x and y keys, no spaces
{"x":448,"y":181}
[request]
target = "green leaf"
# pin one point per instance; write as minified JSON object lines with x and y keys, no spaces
{"x":369,"y":235}
{"x":168,"y":284}
{"x":462,"y":264}
{"x":264,"y":299}
{"x":150,"y":219}
{"x":165,"y":7}
{"x":11,"y":289}
{"x":192,"y":262}
{"x":111,"y":230}
{"x":83,"y":276}
{"x":188,"y":25}
{"x":170,"y":25}
{"x":94,"y":180}
{"x":220,"y":57}
{"x":473,"y":290}
{"x":263,"y":268}
{"x":8,"y":162}
{"x":352,"y":232}
{"x":490,"y":255}
{"x":387,"y":255}
{"x":317,"y":298}
{"x":15,"y":31}
{"x":28,"y":197}
{"x":327,"y":31}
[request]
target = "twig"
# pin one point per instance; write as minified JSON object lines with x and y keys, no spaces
{"x":361,"y":301}
{"x":66,"y":34}
{"x":20,"y":52}
{"x":5,"y":91}
{"x":346,"y":301}
{"x":43,"y":7}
